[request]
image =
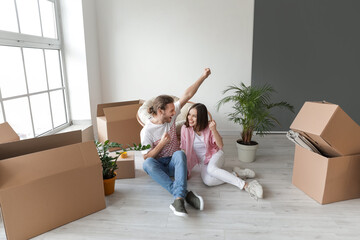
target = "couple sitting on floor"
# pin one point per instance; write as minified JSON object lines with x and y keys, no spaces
{"x":201,"y":144}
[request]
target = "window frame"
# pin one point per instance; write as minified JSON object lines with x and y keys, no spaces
{"x":20,"y":40}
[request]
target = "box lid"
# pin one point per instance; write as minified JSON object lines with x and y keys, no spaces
{"x":118,"y":113}
{"x":27,"y":146}
{"x":329,"y":128}
{"x":7,"y":134}
{"x":101,"y":107}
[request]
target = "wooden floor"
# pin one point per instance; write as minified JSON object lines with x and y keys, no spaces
{"x":139,"y":209}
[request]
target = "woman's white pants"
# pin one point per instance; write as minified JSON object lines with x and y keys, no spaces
{"x":212,"y":174}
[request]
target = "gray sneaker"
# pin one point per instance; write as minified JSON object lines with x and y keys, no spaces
{"x":178,"y":207}
{"x":254,"y":189}
{"x":195,"y":200}
{"x":243,"y":173}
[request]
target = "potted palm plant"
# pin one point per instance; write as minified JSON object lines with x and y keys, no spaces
{"x":108,"y":161}
{"x":251,"y":109}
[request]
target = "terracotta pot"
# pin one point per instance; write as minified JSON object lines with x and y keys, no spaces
{"x":109,"y":185}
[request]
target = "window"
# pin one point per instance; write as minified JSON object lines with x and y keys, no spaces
{"x":32,"y":87}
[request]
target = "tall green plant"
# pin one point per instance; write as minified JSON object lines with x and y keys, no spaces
{"x":109,"y":162}
{"x":251,"y":109}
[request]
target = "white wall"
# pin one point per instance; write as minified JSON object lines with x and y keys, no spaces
{"x":75,"y":59}
{"x":92,"y":56}
{"x":148,"y":48}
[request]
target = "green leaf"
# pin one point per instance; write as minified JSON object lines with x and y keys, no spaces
{"x":251,"y":108}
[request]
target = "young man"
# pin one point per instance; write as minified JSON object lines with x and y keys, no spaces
{"x":165,"y":159}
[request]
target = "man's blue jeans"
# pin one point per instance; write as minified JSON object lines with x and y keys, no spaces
{"x":163,"y":168}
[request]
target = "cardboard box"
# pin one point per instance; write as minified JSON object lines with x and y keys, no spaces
{"x":329,"y":128}
{"x":47,"y":182}
{"x":326,"y":180}
{"x":117,"y":122}
{"x":7,"y":134}
{"x":126,"y":166}
{"x":333,"y":176}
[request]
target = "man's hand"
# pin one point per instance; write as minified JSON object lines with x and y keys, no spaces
{"x":212,"y":125}
{"x":207,"y":72}
{"x":165,"y":139}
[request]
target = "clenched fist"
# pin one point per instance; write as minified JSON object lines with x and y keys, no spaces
{"x":165,"y":139}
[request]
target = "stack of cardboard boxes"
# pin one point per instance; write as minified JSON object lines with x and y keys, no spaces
{"x":333,"y":175}
{"x":47,"y":182}
{"x":117,"y":122}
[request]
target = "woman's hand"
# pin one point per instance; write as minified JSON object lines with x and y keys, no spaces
{"x":212,"y":125}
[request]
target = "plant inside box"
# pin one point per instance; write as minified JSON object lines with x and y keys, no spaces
{"x":252,"y":110}
{"x":108,"y":161}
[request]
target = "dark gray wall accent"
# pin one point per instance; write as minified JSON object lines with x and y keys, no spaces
{"x":308,"y":50}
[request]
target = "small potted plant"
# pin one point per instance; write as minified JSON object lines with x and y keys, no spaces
{"x":251,"y":109}
{"x":108,"y":161}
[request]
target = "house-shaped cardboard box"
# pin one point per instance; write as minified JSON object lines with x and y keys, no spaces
{"x":47,"y":182}
{"x":333,"y":176}
{"x":117,"y":122}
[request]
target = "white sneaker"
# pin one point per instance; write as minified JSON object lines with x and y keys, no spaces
{"x":243,"y":173}
{"x":254,"y":189}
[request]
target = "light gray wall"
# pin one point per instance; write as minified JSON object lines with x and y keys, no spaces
{"x":308,"y":50}
{"x":147,"y":48}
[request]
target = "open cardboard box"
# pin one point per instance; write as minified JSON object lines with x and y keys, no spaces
{"x":117,"y":122}
{"x":47,"y":182}
{"x":334,"y":176}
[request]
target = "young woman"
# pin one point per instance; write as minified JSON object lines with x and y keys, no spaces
{"x":203,"y":145}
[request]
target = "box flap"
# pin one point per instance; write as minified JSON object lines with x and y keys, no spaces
{"x":342,"y":133}
{"x":118,"y":113}
{"x":13,"y":149}
{"x":322,"y":145}
{"x":44,"y":190}
{"x":7,"y":134}
{"x":100,"y":107}
{"x":313,"y":117}
{"x":124,"y":132}
{"x":26,"y":168}
{"x":332,"y":130}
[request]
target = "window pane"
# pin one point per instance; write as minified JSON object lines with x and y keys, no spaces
{"x":1,"y":115}
{"x":35,"y":69}
{"x":53,"y":68}
{"x":58,"y":107}
{"x":18,"y":115}
{"x":8,"y":20}
{"x":12,"y":78}
{"x":48,"y":21}
{"x":29,"y":17}
{"x":40,"y":109}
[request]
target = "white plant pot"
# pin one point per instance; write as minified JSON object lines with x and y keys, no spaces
{"x":246,"y":153}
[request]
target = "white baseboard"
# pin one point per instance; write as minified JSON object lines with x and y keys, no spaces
{"x":237,"y":133}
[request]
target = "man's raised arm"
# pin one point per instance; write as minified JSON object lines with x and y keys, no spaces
{"x":190,"y":92}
